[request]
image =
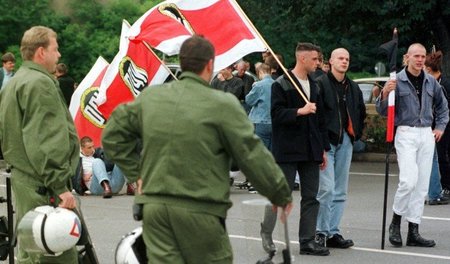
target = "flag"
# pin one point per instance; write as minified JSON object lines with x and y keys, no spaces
{"x":390,"y":117}
{"x":134,"y":68}
{"x":220,"y":21}
{"x":391,"y":48}
{"x":88,"y":120}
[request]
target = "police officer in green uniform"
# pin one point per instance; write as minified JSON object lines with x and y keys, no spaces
{"x":189,"y":133}
{"x":37,"y":134}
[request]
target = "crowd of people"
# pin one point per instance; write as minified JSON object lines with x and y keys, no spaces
{"x":300,"y":122}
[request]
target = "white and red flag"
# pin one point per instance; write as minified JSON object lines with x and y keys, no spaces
{"x":133,"y":68}
{"x":88,"y":120}
{"x":168,"y":24}
{"x":390,"y":124}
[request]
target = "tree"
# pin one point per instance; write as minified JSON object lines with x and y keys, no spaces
{"x":358,"y":25}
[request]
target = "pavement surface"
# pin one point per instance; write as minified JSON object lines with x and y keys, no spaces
{"x":109,"y":219}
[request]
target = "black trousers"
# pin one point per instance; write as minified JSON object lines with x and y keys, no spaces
{"x":309,"y":186}
{"x":443,"y":150}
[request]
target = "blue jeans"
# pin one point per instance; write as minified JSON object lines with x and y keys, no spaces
{"x":333,"y":187}
{"x":264,"y":132}
{"x":115,"y":178}
{"x":434,"y":191}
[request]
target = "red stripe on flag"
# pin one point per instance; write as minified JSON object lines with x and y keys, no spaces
{"x":390,"y":123}
{"x":88,"y":118}
{"x":221,"y":24}
{"x":137,"y":70}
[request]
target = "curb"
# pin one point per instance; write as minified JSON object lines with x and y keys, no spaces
{"x":374,"y":157}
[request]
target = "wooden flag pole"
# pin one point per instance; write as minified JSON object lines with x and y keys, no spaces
{"x":271,"y":51}
{"x":164,"y":65}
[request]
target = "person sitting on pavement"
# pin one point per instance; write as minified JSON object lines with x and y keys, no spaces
{"x":96,"y":174}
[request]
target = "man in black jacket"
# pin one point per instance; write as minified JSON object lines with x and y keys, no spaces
{"x":300,"y":140}
{"x":344,"y":114}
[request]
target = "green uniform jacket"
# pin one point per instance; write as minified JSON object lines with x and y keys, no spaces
{"x":190,"y":133}
{"x":37,"y":133}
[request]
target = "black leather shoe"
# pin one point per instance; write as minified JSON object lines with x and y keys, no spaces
{"x":395,"y":237}
{"x":320,"y":239}
{"x":337,"y":241}
{"x":415,"y":239}
{"x":313,"y":248}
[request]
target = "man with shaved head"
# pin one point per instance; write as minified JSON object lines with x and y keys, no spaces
{"x":419,"y":101}
{"x":344,"y":114}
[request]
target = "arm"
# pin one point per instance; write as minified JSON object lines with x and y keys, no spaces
{"x":48,"y":135}
{"x":441,"y":110}
{"x":120,"y":140}
{"x":382,"y":100}
{"x":253,"y":96}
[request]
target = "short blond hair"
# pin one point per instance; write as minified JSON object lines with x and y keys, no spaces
{"x":33,"y":38}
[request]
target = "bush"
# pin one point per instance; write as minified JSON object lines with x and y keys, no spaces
{"x":375,"y":133}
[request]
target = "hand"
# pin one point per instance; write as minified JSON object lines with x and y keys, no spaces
{"x":323,"y":165}
{"x":309,"y":108}
{"x":286,"y":211}
{"x":220,"y":77}
{"x":67,"y":200}
{"x":437,"y":134}
{"x":139,"y":186}
{"x":389,"y":87}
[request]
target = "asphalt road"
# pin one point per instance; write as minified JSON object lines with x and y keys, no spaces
{"x":109,"y":219}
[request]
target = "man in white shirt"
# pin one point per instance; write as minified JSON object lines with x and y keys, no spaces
{"x":100,"y":177}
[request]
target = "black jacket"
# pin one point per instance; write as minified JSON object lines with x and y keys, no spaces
{"x":296,"y":138}
{"x":356,"y":109}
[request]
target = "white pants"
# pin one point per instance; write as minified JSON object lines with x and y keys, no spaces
{"x":415,"y":147}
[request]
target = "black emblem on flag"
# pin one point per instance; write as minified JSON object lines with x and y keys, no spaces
{"x":89,"y":107}
{"x":135,"y":78}
{"x":171,"y":10}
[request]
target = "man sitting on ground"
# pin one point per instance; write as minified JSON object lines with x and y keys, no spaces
{"x":97,"y":174}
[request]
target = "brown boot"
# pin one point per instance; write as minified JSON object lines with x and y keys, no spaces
{"x":107,"y":193}
{"x":130,"y":189}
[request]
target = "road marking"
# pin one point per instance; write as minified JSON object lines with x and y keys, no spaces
{"x":373,"y":174}
{"x":436,"y":218}
{"x":358,"y":248}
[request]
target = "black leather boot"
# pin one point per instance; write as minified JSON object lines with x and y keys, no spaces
{"x":415,"y":239}
{"x":395,"y":237}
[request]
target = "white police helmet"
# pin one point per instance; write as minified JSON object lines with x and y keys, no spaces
{"x":49,"y":230}
{"x":131,"y":248}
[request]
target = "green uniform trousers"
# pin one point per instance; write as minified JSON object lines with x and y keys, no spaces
{"x":26,"y":197}
{"x":178,"y":235}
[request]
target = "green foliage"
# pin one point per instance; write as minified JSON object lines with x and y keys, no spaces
{"x":375,"y":133}
{"x":91,"y":28}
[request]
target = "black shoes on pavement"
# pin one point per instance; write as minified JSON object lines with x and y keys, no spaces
{"x":313,"y":248}
{"x":438,"y":201}
{"x":395,"y":237}
{"x":337,"y":241}
{"x":414,"y":238}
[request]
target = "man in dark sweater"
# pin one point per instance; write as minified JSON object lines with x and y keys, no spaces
{"x":66,"y":83}
{"x":345,"y":113}
{"x":225,"y":81}
{"x":300,"y":140}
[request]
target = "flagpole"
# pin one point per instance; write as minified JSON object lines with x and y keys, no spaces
{"x":389,"y":131}
{"x":271,"y":51}
{"x":160,"y":61}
